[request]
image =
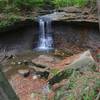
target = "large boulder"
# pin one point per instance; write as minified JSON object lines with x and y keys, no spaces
{"x":65,"y":63}
{"x":84,"y":62}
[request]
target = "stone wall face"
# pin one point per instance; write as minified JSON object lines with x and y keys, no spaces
{"x":82,"y":34}
{"x":19,"y":37}
{"x":65,"y":35}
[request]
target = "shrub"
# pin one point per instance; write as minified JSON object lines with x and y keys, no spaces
{"x":28,"y":3}
{"x":10,"y":8}
{"x":80,"y":3}
{"x":3,"y":3}
{"x":62,"y":3}
{"x":11,"y":19}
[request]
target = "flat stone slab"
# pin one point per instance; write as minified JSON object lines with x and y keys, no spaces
{"x":44,"y":61}
{"x":72,"y":14}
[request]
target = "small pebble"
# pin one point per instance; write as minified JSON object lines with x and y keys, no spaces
{"x":35,"y":77}
{"x":19,"y":63}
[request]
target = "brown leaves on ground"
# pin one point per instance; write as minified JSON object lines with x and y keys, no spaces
{"x":24,"y":87}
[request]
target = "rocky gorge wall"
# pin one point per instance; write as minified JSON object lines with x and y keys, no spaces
{"x":82,"y":34}
{"x":19,"y":37}
{"x":24,"y":35}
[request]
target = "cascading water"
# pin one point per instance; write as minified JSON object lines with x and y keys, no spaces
{"x":45,"y":35}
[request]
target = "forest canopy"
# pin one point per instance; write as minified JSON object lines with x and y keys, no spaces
{"x":31,"y":4}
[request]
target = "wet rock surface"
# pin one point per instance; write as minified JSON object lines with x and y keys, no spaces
{"x":44,"y":61}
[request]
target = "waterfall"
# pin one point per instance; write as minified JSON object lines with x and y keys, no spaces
{"x":45,"y":41}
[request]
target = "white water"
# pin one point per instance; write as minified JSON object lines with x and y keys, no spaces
{"x":45,"y":37}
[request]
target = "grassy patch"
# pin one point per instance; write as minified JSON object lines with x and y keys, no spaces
{"x":62,"y":3}
{"x":54,"y":72}
{"x":80,"y":87}
{"x":3,"y":4}
{"x":98,"y":56}
{"x":28,"y":4}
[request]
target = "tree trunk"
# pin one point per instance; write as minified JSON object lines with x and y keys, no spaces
{"x":6,"y":91}
{"x":98,"y":6}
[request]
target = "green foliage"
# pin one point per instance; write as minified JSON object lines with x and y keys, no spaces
{"x":63,"y":92}
{"x":13,"y":18}
{"x":97,"y":84}
{"x":54,"y":72}
{"x":28,"y":3}
{"x":98,"y":56}
{"x":3,"y":3}
{"x":4,"y":24}
{"x":10,"y":8}
{"x":79,"y":87}
{"x":62,"y":3}
{"x":80,"y":3}
{"x":9,"y":20}
{"x":19,"y":6}
{"x":89,"y":94}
